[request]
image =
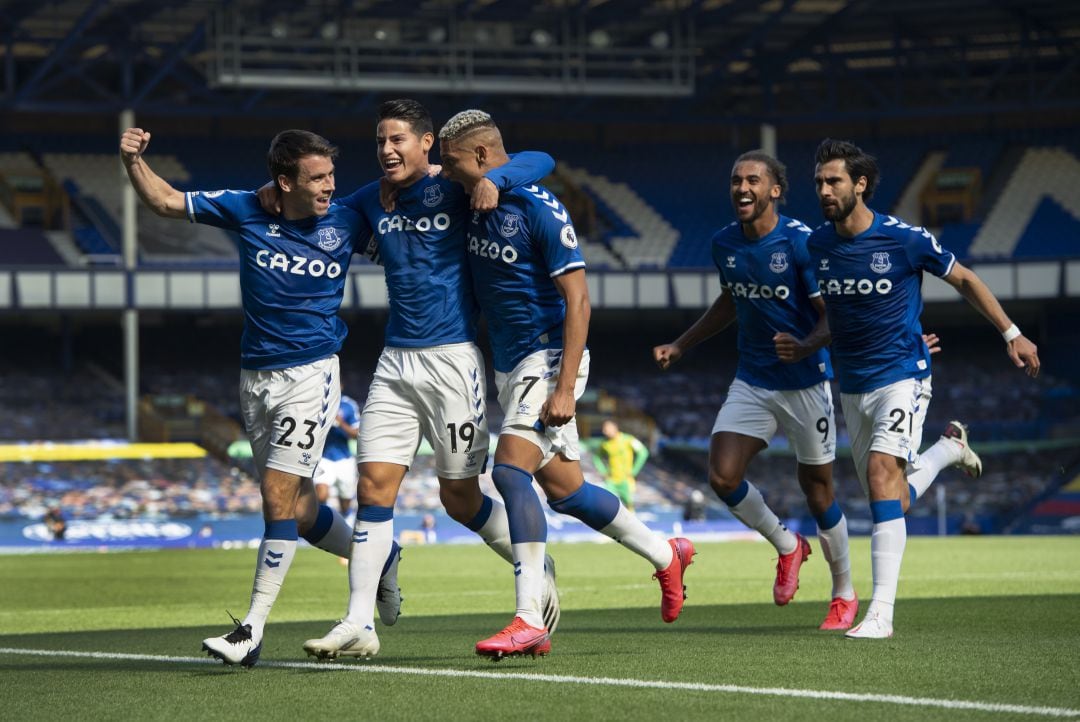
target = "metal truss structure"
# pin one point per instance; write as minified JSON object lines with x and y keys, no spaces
{"x":775,"y":61}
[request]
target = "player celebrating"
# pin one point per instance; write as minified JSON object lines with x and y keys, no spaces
{"x":869,"y":268}
{"x":529,"y":277}
{"x":782,"y":377}
{"x":430,"y":381}
{"x":289,"y":367}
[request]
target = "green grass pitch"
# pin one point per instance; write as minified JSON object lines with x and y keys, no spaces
{"x":986,"y":629}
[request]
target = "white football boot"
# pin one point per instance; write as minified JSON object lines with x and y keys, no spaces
{"x":344,"y":639}
{"x":236,"y":647}
{"x":873,"y":626}
{"x":550,"y":599}
{"x":388,"y":596}
{"x":969,"y":462}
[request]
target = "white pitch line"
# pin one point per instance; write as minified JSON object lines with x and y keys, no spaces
{"x":567,"y":679}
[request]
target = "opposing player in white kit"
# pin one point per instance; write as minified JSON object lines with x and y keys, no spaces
{"x":782,"y":378}
{"x":430,"y":381}
{"x":336,"y":473}
{"x":869,"y":268}
{"x":529,"y":278}
{"x":289,"y":368}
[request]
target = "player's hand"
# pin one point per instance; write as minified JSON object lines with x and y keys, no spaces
{"x":388,"y":194}
{"x":434,"y":170}
{"x":1025,"y":355}
{"x":133,"y":142}
{"x":790,"y":349}
{"x":485,"y":196}
{"x":933,"y":343}
{"x":270,"y":198}
{"x":558,"y":409}
{"x":666,"y":354}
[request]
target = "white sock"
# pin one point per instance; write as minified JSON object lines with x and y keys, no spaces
{"x":496,"y":531}
{"x":529,"y":581}
{"x":887,"y":544}
{"x":370,"y":548}
{"x":275,"y":558}
{"x":755,"y":513}
{"x":632,"y":533}
{"x":338,"y":538}
{"x":922,"y":473}
{"x":834,"y":547}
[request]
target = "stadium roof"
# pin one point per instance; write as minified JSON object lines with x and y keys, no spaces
{"x":741,"y":60}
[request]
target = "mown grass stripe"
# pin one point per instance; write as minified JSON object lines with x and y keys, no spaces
{"x":568,"y":679}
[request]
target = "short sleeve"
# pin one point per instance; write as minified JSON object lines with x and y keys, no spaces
{"x":803,"y":266}
{"x":553,"y":232}
{"x":224,"y":209}
{"x":524,"y":169}
{"x":719,"y":256}
{"x":926,"y":254}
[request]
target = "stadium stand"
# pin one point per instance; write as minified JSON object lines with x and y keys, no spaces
{"x":94,"y":179}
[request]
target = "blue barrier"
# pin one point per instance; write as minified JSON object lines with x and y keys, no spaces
{"x":243,"y":531}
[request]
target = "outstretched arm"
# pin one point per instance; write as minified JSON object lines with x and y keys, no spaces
{"x":719,"y":316}
{"x":1021,"y":350}
{"x":525,"y":168}
{"x":560,"y":406}
{"x":159,"y":196}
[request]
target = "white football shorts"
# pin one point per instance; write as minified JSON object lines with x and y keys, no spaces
{"x":287,"y":414}
{"x":436,"y":392}
{"x":888,"y":420}
{"x":340,"y":475}
{"x":522,"y":393}
{"x":805,"y":415}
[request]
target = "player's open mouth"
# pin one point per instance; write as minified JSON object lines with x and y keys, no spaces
{"x":390,"y":164}
{"x":745,"y":201}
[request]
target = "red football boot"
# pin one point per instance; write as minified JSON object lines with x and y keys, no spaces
{"x":672,"y":589}
{"x":517,"y":639}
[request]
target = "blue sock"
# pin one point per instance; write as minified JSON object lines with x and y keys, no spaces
{"x":830,"y":518}
{"x":478,"y":521}
{"x":738,"y":495}
{"x":323,"y":522}
{"x":592,"y":504}
{"x":284,"y":529}
{"x":523,"y":508}
{"x":886,"y":510}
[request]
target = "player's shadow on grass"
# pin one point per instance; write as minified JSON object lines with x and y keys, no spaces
{"x":447,"y":640}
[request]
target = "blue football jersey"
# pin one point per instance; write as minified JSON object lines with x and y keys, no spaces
{"x":514,"y":252}
{"x":337,"y":441}
{"x":421,"y":246}
{"x":771,"y":282}
{"x":292,"y":276}
{"x":872,"y":286}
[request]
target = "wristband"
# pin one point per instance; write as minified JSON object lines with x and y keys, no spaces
{"x":1011,"y":333}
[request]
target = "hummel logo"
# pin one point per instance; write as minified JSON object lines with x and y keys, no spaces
{"x":274,"y":230}
{"x":276,"y":557}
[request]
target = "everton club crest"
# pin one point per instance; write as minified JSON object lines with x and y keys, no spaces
{"x":880,"y":262}
{"x":329,"y":240}
{"x":778,"y":263}
{"x":432,"y":196}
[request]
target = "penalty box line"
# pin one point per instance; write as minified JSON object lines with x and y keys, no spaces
{"x":569,"y":679}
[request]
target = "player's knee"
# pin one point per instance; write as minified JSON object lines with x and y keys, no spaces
{"x":724,"y":481}
{"x":461,"y":498}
